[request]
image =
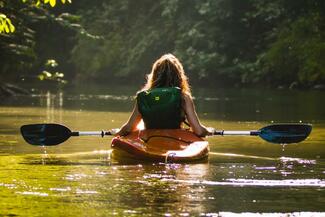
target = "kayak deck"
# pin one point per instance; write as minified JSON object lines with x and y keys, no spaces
{"x":162,"y":145}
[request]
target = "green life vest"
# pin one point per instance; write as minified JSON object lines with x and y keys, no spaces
{"x":161,"y":107}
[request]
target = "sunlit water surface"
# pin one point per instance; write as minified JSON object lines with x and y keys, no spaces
{"x":243,"y":175}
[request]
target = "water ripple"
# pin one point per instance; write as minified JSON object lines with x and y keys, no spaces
{"x":255,"y":182}
{"x":33,"y":193}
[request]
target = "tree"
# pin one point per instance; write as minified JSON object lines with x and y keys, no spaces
{"x":19,"y":46}
{"x":6,"y":25}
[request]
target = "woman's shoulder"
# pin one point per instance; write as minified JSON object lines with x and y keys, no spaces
{"x":142,"y":91}
{"x":187,"y":97}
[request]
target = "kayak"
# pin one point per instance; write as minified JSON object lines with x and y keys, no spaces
{"x":160,"y":145}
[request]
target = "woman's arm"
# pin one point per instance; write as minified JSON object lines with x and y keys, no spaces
{"x":193,"y":119}
{"x":132,"y":123}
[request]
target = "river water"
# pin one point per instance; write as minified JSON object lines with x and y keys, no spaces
{"x":243,"y":175}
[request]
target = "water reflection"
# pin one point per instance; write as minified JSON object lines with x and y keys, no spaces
{"x":53,"y":104}
{"x":256,"y":105}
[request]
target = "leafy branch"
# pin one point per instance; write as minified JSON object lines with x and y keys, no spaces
{"x":6,"y":25}
{"x":50,"y":2}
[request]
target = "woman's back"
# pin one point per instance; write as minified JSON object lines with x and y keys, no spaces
{"x":161,"y":108}
{"x":165,"y":101}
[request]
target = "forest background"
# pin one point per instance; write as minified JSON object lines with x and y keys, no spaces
{"x":230,"y":43}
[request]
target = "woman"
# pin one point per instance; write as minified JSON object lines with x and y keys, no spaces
{"x":166,"y":100}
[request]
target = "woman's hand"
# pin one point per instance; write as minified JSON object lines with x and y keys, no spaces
{"x":210,"y":131}
{"x":125,"y":130}
{"x":131,"y":124}
{"x":193,"y":119}
{"x":114,"y":132}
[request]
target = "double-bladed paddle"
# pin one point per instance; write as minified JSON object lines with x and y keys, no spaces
{"x":54,"y":134}
{"x":275,"y":133}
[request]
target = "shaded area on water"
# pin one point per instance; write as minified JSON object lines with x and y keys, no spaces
{"x":217,"y":104}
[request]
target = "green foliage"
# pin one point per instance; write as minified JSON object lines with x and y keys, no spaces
{"x":5,"y":24}
{"x":17,"y":50}
{"x":50,"y":2}
{"x":216,"y":40}
{"x":50,"y":74}
{"x":23,"y":52}
{"x":298,"y":53}
{"x":221,"y":42}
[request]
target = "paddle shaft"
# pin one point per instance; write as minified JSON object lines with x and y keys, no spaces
{"x":91,"y":133}
{"x":237,"y":133}
{"x":217,"y":133}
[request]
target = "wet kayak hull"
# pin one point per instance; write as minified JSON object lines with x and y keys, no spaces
{"x":160,"y":146}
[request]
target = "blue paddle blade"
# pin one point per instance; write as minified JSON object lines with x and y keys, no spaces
{"x":285,"y":133}
{"x":45,"y":134}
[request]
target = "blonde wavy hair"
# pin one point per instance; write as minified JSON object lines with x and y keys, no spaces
{"x":168,"y":71}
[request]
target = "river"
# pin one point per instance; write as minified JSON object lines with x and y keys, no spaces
{"x":243,"y":175}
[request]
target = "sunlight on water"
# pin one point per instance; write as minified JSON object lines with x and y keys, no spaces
{"x":9,"y":186}
{"x":297,"y":160}
{"x":79,"y":191}
{"x":60,"y":189}
{"x":241,"y":156}
{"x":75,"y":177}
{"x":254,"y":182}
{"x":33,"y":193}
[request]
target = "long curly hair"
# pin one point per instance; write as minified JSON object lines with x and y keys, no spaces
{"x":168,"y":71}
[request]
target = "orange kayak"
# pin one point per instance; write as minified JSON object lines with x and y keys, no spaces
{"x":160,"y":145}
